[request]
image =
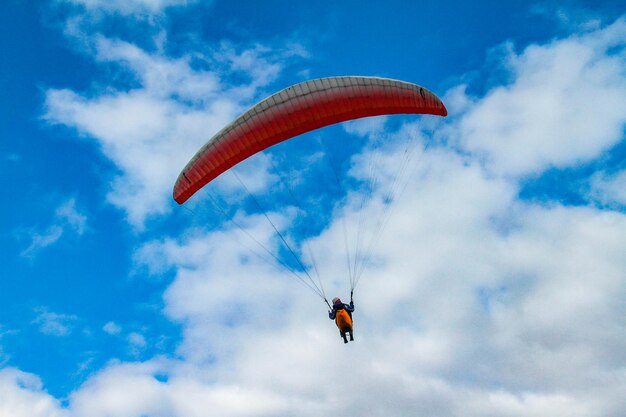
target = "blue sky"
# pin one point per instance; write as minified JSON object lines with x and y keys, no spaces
{"x":498,"y":285}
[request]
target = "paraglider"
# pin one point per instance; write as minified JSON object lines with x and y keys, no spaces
{"x":342,"y":314}
{"x":294,"y":111}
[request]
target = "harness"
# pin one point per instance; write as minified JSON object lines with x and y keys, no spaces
{"x":343,"y":320}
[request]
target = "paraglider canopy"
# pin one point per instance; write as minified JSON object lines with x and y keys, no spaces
{"x":298,"y":109}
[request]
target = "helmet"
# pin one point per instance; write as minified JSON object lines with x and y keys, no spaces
{"x":336,"y":300}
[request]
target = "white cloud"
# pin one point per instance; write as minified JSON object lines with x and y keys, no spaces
{"x":71,"y":217}
{"x":112,"y":328}
{"x":23,"y":395}
{"x":563,"y":107}
{"x":147,"y":138}
{"x":4,"y":356}
{"x":150,"y":132}
{"x":163,"y":388}
{"x":136,"y":343}
{"x":54,"y":324}
{"x":128,"y":389}
{"x":67,"y":220}
{"x":366,"y":126}
{"x":609,"y":189}
{"x":571,"y":16}
{"x":478,"y":304}
{"x":40,"y":240}
{"x":159,"y":75}
{"x":261,"y":64}
{"x":130,"y":7}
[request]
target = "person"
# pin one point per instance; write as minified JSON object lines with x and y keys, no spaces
{"x":342,"y":314}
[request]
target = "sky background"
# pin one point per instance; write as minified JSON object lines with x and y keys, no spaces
{"x":498,"y":287}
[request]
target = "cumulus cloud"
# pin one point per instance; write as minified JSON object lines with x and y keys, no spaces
{"x":167,"y":388}
{"x":151,"y":131}
{"x":107,"y":394}
{"x":23,"y":396}
{"x":480,"y":305}
{"x":475,"y":302}
{"x":563,"y":107}
{"x":67,"y":220}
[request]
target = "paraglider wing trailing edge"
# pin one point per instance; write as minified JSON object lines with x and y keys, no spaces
{"x":296,"y":110}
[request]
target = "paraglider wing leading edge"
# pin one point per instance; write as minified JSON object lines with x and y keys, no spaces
{"x":296,"y":110}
